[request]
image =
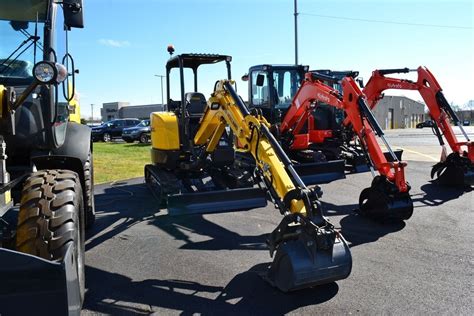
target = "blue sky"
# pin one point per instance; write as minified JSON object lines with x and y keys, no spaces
{"x":124,"y":42}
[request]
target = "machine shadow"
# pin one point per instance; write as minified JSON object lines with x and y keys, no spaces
{"x":220,"y":237}
{"x":434,"y":194}
{"x":119,"y":207}
{"x":247,"y":293}
{"x":358,"y":230}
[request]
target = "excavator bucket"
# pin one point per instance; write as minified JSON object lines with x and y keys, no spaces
{"x":384,"y":202}
{"x":301,"y":263}
{"x":456,"y":171}
{"x":321,"y":172}
{"x":34,"y":286}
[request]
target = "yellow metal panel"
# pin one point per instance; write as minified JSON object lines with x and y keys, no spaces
{"x":164,"y":131}
{"x":2,"y":98}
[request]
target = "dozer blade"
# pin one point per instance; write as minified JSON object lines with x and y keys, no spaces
{"x":216,"y":201}
{"x":301,"y":264}
{"x":455,"y":171}
{"x":33,"y":286}
{"x":320,"y":172}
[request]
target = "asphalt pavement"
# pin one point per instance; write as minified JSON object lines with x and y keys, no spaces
{"x":140,"y":261}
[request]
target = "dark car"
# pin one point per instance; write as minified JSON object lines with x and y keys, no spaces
{"x":466,"y":123}
{"x":141,"y":132}
{"x":428,"y":123}
{"x":112,"y":129}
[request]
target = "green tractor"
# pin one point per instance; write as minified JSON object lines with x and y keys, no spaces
{"x":46,"y":172}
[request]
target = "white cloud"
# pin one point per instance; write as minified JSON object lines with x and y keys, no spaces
{"x":114,"y":43}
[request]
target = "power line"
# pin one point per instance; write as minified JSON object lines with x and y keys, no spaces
{"x":387,"y":22}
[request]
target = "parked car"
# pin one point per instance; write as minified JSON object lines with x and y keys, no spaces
{"x":112,"y":129}
{"x":141,"y":132}
{"x":427,"y":123}
{"x":466,"y":123}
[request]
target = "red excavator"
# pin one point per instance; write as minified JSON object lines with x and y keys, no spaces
{"x":455,"y":169}
{"x":388,"y":197}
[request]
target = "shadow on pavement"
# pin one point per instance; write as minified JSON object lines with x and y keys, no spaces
{"x":247,"y":293}
{"x":221,"y":238}
{"x":119,"y":207}
{"x":356,"y":229}
{"x":435,"y":194}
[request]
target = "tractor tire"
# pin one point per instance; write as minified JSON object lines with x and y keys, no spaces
{"x":89,"y":191}
{"x":51,"y":218}
{"x":106,"y":137}
{"x":143,"y":138}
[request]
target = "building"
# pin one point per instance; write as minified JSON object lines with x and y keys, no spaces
{"x":117,"y":110}
{"x":399,"y":112}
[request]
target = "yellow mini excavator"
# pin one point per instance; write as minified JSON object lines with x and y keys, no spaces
{"x":193,"y":170}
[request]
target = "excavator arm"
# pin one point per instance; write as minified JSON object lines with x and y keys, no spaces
{"x":458,"y":167}
{"x":390,"y":186}
{"x":309,"y":251}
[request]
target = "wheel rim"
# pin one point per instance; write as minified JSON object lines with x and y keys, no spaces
{"x":143,"y":139}
{"x":106,"y":137}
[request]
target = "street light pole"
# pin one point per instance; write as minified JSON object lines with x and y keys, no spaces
{"x":161,"y":77}
{"x":92,"y":112}
{"x":296,"y":33}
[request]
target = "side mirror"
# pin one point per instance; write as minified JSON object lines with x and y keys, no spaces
{"x":73,"y":16}
{"x":260,"y":80}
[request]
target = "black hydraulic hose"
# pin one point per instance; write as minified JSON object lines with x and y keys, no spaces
{"x":443,"y":103}
{"x":394,"y":71}
{"x":242,"y":107}
{"x":437,"y":133}
{"x":370,"y":116}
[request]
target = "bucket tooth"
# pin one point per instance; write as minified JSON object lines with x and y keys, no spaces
{"x":300,"y":263}
{"x":383,"y":202}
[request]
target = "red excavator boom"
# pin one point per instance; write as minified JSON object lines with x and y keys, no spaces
{"x":458,"y":167}
{"x":388,"y":197}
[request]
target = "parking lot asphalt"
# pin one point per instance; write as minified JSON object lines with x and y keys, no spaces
{"x":140,"y":261}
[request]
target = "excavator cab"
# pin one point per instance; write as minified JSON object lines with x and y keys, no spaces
{"x":271,"y":91}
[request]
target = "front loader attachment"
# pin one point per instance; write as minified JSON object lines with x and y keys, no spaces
{"x":30,"y":285}
{"x":383,"y":201}
{"x":307,"y":254}
{"x":321,"y":172}
{"x":456,"y":171}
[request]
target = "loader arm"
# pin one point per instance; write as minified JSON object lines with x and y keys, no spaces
{"x":360,"y":119}
{"x":440,"y":111}
{"x":309,"y":251}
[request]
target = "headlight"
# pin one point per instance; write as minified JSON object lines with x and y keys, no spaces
{"x":48,"y":72}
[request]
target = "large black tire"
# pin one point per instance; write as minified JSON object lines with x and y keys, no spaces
{"x":51,"y":218}
{"x":89,"y":191}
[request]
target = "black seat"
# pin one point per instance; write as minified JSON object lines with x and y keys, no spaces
{"x":195,"y":103}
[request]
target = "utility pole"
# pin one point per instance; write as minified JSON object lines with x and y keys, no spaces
{"x":296,"y":33}
{"x":92,"y":112}
{"x":161,"y":77}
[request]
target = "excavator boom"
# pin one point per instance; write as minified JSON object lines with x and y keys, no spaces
{"x":457,"y":168}
{"x":308,"y":249}
{"x":388,"y":197}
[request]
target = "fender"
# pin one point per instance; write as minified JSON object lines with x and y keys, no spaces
{"x":72,"y":155}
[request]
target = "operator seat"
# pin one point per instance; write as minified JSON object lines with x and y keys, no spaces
{"x":195,"y":104}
